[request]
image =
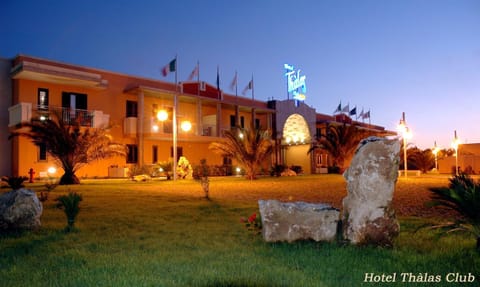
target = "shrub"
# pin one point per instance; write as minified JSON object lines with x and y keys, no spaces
{"x":15,"y":182}
{"x":71,"y":206}
{"x":297,"y":169}
{"x":184,"y":169}
{"x":253,"y":223}
{"x":166,"y":167}
{"x":277,"y":170}
{"x":462,"y":196}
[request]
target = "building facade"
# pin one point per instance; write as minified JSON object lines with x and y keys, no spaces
{"x":129,"y":107}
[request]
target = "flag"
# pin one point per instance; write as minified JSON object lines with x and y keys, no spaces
{"x":248,"y":87}
{"x":366,"y":115}
{"x":346,"y":109}
{"x":339,"y":108}
{"x":361,"y":115}
{"x":233,"y":84}
{"x":353,"y":111}
{"x":194,"y":73}
{"x":170,"y":67}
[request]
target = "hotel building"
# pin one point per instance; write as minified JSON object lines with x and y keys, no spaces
{"x":33,"y":87}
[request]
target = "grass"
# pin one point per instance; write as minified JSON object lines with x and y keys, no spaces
{"x":165,"y":234}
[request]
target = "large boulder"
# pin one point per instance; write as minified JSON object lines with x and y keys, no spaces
{"x":297,"y":221}
{"x":20,"y":209}
{"x":368,"y":216}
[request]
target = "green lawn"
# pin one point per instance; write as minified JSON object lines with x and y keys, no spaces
{"x":162,"y":233}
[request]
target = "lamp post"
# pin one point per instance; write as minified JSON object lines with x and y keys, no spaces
{"x":406,"y":134}
{"x":455,"y":144}
{"x":435,"y":152}
{"x":162,"y":115}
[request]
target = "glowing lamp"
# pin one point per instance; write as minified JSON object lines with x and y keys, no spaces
{"x":162,"y":115}
{"x":186,"y":126}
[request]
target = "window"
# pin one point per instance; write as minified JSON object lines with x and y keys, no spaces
{"x":232,"y":121}
{"x":131,"y":109}
{"x":42,"y":99}
{"x":75,"y":108}
{"x":132,"y":153}
{"x":42,"y":152}
{"x":242,"y":122}
{"x":154,"y":154}
{"x":179,"y":152}
{"x":257,"y":123}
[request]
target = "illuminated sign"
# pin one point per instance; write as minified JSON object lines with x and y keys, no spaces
{"x":295,"y":82}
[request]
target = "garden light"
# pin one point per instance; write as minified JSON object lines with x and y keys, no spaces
{"x":51,"y":170}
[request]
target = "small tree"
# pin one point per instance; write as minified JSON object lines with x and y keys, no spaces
{"x":70,"y":144}
{"x":71,"y":206}
{"x":462,"y":196}
{"x":202,"y":175}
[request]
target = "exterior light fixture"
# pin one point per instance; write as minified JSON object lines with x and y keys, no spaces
{"x":51,"y":170}
{"x":455,"y":144}
{"x":186,"y":126}
{"x":162,"y":115}
{"x":435,"y":151}
{"x":406,"y":134}
{"x":155,"y":128}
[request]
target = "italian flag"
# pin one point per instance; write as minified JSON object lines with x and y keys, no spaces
{"x":170,"y":67}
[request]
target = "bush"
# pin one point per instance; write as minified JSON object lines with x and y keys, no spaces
{"x":71,"y":206}
{"x":334,"y":169}
{"x":277,"y":170}
{"x":462,"y":196}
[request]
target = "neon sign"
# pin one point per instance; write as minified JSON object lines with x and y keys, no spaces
{"x":295,"y":83}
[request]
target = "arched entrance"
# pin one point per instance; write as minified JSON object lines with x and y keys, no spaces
{"x":296,"y":140}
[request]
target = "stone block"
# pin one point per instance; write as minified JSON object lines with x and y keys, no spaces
{"x":291,"y":221}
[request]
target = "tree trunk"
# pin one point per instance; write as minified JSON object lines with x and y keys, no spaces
{"x":69,"y":178}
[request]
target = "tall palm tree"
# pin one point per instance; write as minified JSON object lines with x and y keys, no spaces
{"x":340,"y":142}
{"x":70,"y":144}
{"x":250,"y":147}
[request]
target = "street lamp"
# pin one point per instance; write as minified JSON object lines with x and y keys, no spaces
{"x":435,"y":151}
{"x":455,"y":145}
{"x":186,"y":126}
{"x":406,"y":134}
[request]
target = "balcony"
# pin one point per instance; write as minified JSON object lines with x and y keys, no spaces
{"x":24,"y":112}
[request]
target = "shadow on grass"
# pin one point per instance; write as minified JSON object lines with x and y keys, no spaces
{"x":27,"y":242}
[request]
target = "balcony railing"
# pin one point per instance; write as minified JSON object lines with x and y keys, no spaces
{"x":24,"y":112}
{"x":68,"y":115}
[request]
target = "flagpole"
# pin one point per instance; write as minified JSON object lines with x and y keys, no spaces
{"x":236,"y":84}
{"x":253,"y":94}
{"x":198,"y":78}
{"x":175,"y":123}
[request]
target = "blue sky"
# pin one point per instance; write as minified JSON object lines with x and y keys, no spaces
{"x":418,"y":57}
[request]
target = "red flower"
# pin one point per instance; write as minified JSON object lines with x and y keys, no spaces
{"x":252,"y":218}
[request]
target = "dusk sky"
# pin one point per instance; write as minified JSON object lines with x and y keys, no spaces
{"x":418,"y":57}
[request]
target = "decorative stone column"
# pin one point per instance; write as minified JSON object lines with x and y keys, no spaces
{"x":368,"y":216}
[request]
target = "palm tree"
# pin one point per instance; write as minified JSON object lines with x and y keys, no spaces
{"x":421,"y":159}
{"x":340,"y":142}
{"x":70,"y":144}
{"x":462,"y":196}
{"x":250,"y":147}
